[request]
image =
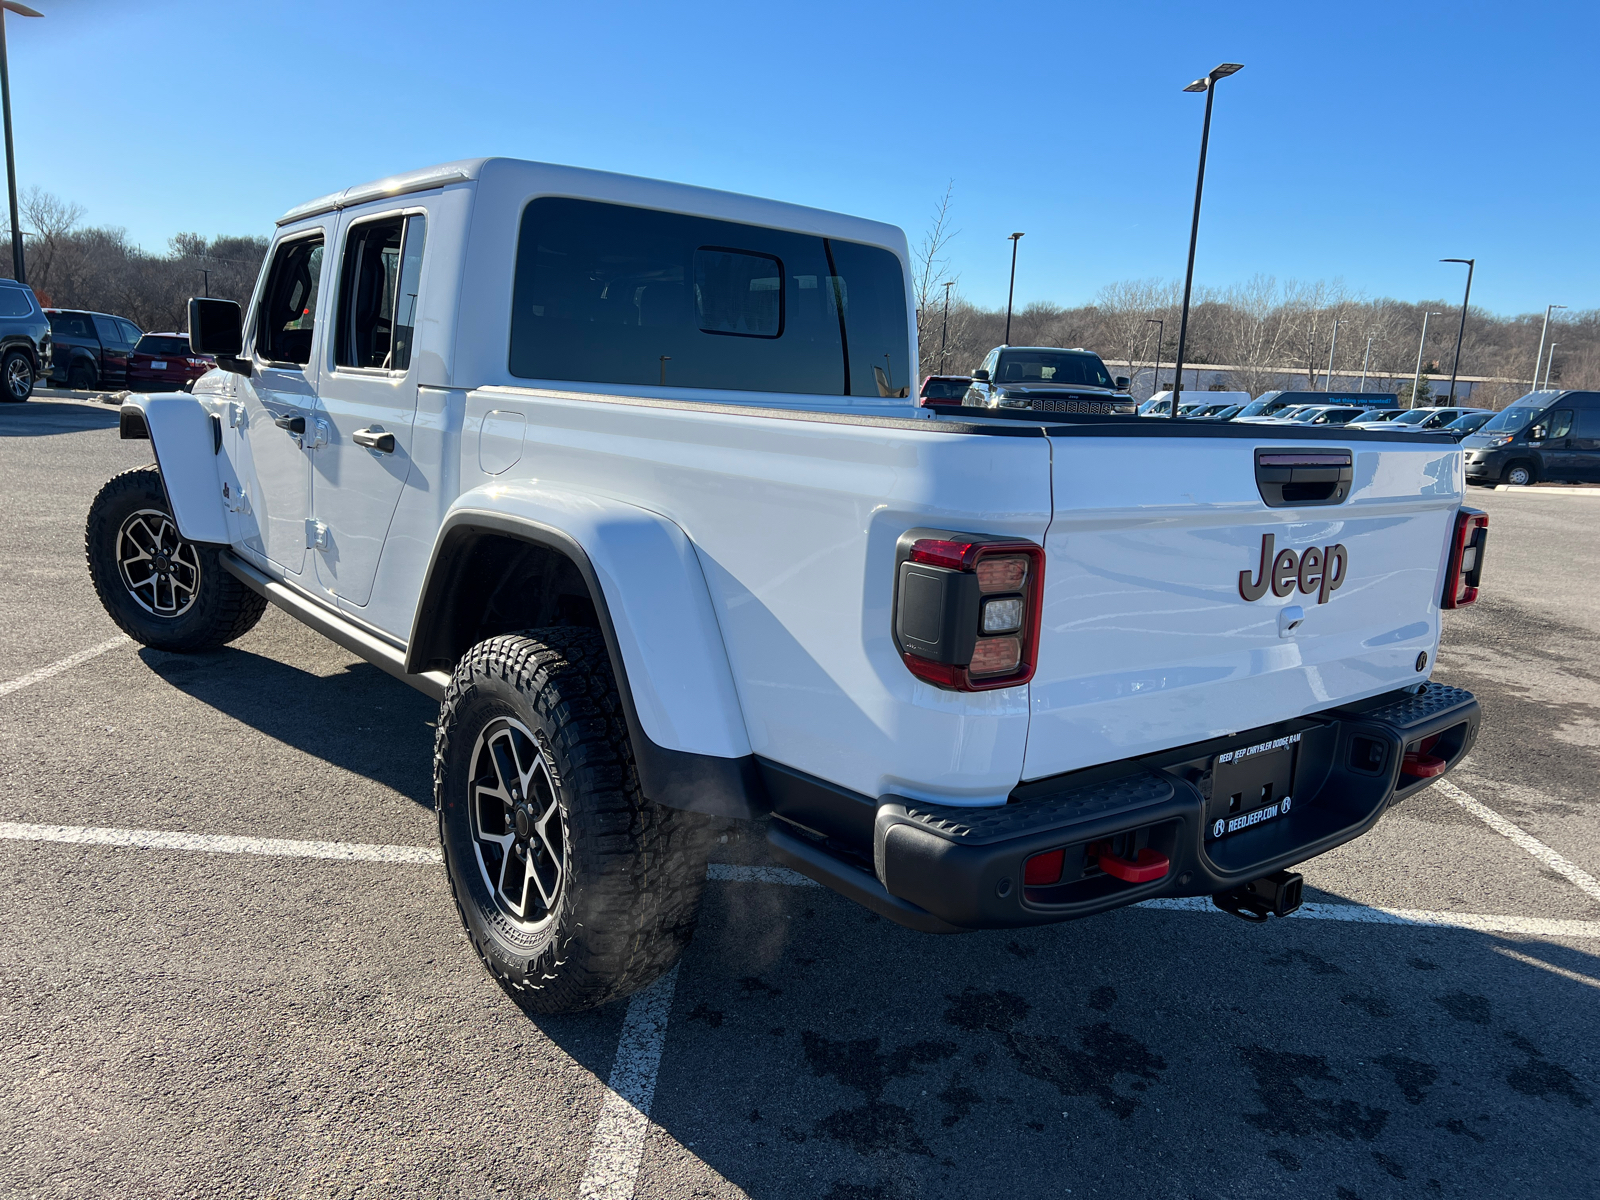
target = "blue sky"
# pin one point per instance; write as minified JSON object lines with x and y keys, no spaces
{"x":1363,"y":141}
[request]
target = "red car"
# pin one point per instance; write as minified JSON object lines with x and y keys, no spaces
{"x":944,"y":391}
{"x":163,"y":362}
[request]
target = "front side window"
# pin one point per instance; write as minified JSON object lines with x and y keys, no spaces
{"x":378,"y":293}
{"x":1560,"y":423}
{"x":289,"y":305}
{"x":607,"y":293}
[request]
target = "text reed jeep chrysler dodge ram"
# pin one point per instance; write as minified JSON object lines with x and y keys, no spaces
{"x":627,"y":475}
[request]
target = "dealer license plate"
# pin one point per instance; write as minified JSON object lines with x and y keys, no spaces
{"x":1251,"y":785}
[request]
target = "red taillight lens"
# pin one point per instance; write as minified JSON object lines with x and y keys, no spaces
{"x":1464,"y":570}
{"x":967,"y":611}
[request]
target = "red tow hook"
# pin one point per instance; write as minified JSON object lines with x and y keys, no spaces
{"x":1151,"y":864}
{"x":1421,"y":763}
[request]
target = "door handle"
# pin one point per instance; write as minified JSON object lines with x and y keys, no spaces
{"x":374,"y":439}
{"x":296,"y":426}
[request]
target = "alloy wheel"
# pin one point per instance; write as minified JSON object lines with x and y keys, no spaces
{"x":160,"y":570}
{"x":19,"y":378}
{"x":516,"y":823}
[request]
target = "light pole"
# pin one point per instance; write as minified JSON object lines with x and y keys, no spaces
{"x":1416,"y":380}
{"x":1367,"y":358}
{"x":1461,"y":332}
{"x":1327,"y":382}
{"x":205,"y":278}
{"x":22,"y":10}
{"x":944,"y":331}
{"x":1161,"y":331}
{"x":1011,"y":291}
{"x":1538,"y":358}
{"x":1208,"y":85}
{"x":1548,"y":363}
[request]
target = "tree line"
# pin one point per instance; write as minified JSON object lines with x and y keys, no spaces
{"x":1266,"y":333}
{"x":71,"y":265}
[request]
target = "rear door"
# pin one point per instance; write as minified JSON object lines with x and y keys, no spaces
{"x":367,"y":399}
{"x":1149,"y":638}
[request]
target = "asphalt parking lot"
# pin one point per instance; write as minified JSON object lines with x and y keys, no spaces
{"x":185,"y":1019}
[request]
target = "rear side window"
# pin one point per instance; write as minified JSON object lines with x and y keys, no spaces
{"x":14,"y":302}
{"x":378,"y":293}
{"x":71,"y":325}
{"x":289,"y":305}
{"x":1588,"y":425}
{"x":607,"y":293}
{"x":163,"y":347}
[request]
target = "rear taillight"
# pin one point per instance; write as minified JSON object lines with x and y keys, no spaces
{"x":1464,"y":570}
{"x":967,"y":609}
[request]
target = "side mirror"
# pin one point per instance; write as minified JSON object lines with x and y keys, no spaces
{"x":1536,"y":433}
{"x":980,"y":376}
{"x":1122,"y":383}
{"x":216,"y":327}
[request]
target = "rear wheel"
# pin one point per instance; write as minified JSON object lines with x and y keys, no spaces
{"x":16,"y":377}
{"x":1519,"y":474}
{"x":574,"y":888}
{"x":161,"y":589}
{"x":81,"y":377}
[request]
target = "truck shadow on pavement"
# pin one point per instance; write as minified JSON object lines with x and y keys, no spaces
{"x":357,"y":718}
{"x":45,"y":418}
{"x":817,"y":1050}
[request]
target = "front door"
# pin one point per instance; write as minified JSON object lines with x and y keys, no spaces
{"x":1584,"y":457}
{"x":1552,"y":437}
{"x":368,"y":401}
{"x":114,"y":350}
{"x":279,"y":402}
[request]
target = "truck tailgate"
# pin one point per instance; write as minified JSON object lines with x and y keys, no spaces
{"x":1147,"y":642}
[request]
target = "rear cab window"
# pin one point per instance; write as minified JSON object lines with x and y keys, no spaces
{"x":610,"y":293}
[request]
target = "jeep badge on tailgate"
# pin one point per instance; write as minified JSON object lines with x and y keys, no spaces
{"x":1321,"y":571}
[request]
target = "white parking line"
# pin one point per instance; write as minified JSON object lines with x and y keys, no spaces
{"x":216,"y":843}
{"x":66,"y":664}
{"x":618,"y":1142}
{"x":1569,"y":871}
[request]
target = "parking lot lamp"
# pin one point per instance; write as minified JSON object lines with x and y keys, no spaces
{"x":1416,"y":380}
{"x":1539,"y":358}
{"x":1548,"y":363}
{"x":1327,"y":381}
{"x":1367,"y":358}
{"x":1011,"y":291}
{"x":1208,"y":85}
{"x":1161,"y":332}
{"x":944,"y":333}
{"x":22,"y":10}
{"x":1461,"y":332}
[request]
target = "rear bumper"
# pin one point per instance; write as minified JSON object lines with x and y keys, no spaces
{"x":947,"y":869}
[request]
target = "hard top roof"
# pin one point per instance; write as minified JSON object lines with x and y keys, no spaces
{"x":557,"y":179}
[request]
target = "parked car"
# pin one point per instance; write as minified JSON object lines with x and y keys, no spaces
{"x":25,"y":342}
{"x":1468,"y":423}
{"x":970,"y":682}
{"x":163,"y":362}
{"x":1325,"y":414}
{"x":91,"y":348}
{"x":1048,"y":379}
{"x":1419,"y":420}
{"x":1160,"y":405}
{"x":1269,"y":403}
{"x":944,"y":391}
{"x":1227,"y":414}
{"x":1380,"y":415}
{"x":1277,"y":416}
{"x":1543,"y":437}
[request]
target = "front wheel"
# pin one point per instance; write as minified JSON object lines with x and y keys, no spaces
{"x":16,"y":377}
{"x":574,"y":888}
{"x":1519,"y":474}
{"x":161,"y":589}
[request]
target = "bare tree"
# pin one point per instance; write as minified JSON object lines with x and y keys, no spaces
{"x":932,"y":262}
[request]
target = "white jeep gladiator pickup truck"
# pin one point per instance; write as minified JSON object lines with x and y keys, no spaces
{"x":626,"y":474}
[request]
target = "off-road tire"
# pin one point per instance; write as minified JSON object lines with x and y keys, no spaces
{"x":1514,"y":468}
{"x":16,"y":368}
{"x":221,"y":608}
{"x":633,"y":871}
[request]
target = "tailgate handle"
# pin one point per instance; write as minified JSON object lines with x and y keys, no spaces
{"x":1300,"y":478}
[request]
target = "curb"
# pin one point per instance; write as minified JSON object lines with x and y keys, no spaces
{"x":1531,"y":490}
